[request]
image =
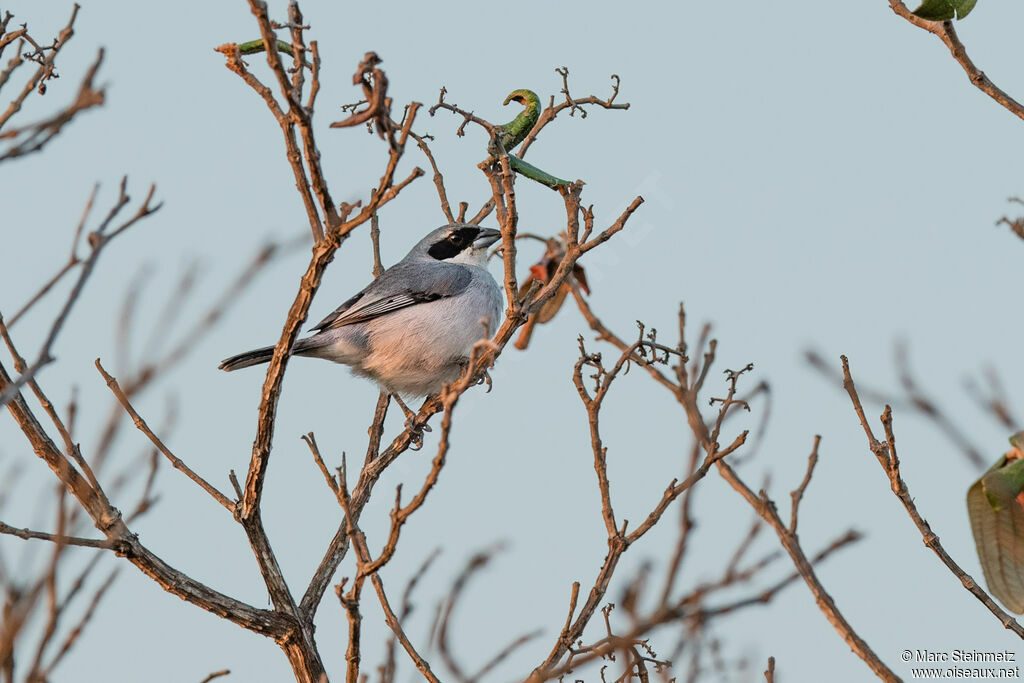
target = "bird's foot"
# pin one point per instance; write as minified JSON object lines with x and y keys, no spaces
{"x":415,"y":431}
{"x":486,"y":379}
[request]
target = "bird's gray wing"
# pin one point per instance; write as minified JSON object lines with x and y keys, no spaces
{"x":402,"y":285}
{"x":336,"y":313}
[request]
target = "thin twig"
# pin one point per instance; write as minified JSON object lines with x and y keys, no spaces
{"x":798,"y":493}
{"x":947,"y":34}
{"x":175,"y":461}
{"x":885,"y":452}
{"x":58,"y":538}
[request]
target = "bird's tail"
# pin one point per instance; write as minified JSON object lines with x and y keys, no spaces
{"x":244,"y":360}
{"x":302,"y":347}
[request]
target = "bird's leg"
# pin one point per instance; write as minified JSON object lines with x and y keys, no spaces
{"x":479,"y":347}
{"x":410,"y":422}
{"x":485,"y":378}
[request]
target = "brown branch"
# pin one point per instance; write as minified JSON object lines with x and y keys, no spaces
{"x":73,"y":260}
{"x":1016,"y":225}
{"x":175,"y":461}
{"x":332,"y":483}
{"x":573,"y":105}
{"x":126,"y":544}
{"x":885,"y":452}
{"x":396,"y":627}
{"x":45,"y":70}
{"x":682,"y":610}
{"x":56,"y":608}
{"x":58,"y":538}
{"x":467,"y":116}
{"x":350,"y":600}
{"x":947,"y":34}
{"x":508,"y":217}
{"x":685,"y":527}
{"x":575,"y":249}
{"x":261,"y":259}
{"x":98,"y":239}
{"x":766,"y":595}
{"x":375,"y":91}
{"x":605,"y":334}
{"x":340,"y":543}
{"x":286,"y":120}
{"x":504,"y":654}
{"x":378,"y":267}
{"x":481,"y":360}
{"x":400,"y":514}
{"x":764,"y":506}
{"x":931,"y":410}
{"x":438,"y":179}
{"x":797,"y":494}
{"x":994,"y":401}
{"x":483,"y":213}
{"x":36,"y":135}
{"x":69,"y":641}
{"x":386,"y":190}
{"x":136,"y":380}
{"x":367,"y":566}
{"x":387,"y":669}
{"x":618,"y":540}
{"x":477,"y":562}
{"x":323,"y":253}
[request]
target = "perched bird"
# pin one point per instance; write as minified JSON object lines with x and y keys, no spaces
{"x":413,"y":328}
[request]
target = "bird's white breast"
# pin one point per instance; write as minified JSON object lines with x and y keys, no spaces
{"x":415,"y":350}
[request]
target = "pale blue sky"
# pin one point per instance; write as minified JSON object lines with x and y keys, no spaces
{"x":818,"y":175}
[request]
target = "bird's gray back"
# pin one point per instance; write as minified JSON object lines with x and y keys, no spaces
{"x":423,"y":280}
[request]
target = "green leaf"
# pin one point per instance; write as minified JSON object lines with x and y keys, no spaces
{"x":1004,"y":484}
{"x":534,"y":173}
{"x":944,"y":10}
{"x":996,"y":509}
{"x":254,"y":46}
{"x":1017,"y":441}
{"x":518,"y":128}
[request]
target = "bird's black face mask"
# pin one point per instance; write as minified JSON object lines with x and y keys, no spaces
{"x":456,"y":241}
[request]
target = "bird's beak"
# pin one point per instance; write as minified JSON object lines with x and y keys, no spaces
{"x":486,"y":238}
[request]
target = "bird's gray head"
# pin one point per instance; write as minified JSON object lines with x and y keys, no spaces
{"x":457,"y":243}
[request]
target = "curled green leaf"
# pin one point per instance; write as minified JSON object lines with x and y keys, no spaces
{"x":254,"y":46}
{"x":944,"y":10}
{"x":534,"y":173}
{"x":518,"y":128}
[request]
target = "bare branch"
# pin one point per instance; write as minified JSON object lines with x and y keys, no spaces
{"x":707,"y":437}
{"x":798,"y":493}
{"x":35,"y":136}
{"x":885,"y":452}
{"x":44,"y":72}
{"x":127,"y":544}
{"x":69,"y":641}
{"x":97,"y":240}
{"x":175,"y":461}
{"x":947,"y":34}
{"x":58,"y":538}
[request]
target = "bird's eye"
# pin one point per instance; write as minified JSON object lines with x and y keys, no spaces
{"x":455,"y":239}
